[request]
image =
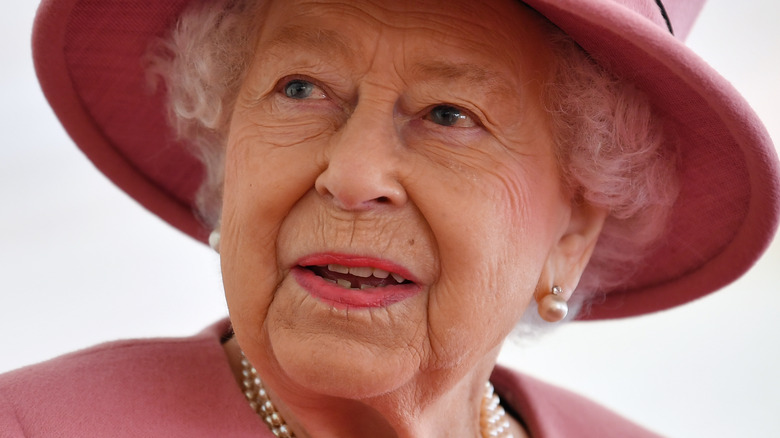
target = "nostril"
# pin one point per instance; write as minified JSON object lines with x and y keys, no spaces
{"x":350,"y":190}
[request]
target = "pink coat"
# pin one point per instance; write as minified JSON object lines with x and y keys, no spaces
{"x":183,"y":387}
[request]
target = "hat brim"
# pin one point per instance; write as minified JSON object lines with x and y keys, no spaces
{"x":727,"y":211}
{"x":88,"y":60}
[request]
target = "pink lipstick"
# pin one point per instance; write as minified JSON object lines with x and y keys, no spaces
{"x":350,"y":281}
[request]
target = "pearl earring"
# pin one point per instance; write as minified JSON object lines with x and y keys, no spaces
{"x":552,"y":307}
{"x":214,"y":240}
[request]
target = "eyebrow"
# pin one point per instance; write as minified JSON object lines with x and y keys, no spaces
{"x":328,"y":41}
{"x":333,"y":43}
{"x":472,"y":74}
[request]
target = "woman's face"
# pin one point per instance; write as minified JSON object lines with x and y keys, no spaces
{"x":375,"y":137}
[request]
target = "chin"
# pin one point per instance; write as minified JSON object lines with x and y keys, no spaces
{"x":350,"y":353}
{"x":329,"y":366}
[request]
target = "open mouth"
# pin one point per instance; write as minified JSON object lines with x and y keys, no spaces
{"x":357,"y":278}
{"x":347,"y":281}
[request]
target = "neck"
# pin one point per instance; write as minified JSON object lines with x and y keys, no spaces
{"x":383,"y":417}
{"x":412,"y":410}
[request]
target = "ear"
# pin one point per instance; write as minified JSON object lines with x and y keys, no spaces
{"x":571,"y":253}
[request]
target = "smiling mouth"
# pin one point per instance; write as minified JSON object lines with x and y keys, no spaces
{"x":357,"y":278}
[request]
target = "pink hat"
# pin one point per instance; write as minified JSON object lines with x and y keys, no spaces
{"x":88,"y":59}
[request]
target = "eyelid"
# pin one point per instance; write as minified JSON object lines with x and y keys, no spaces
{"x":285,"y":80}
{"x":477,"y":120}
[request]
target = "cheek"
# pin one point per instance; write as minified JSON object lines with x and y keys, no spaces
{"x":488,"y":213}
{"x":494,"y":233}
{"x":527,"y":214}
{"x":280,"y":122}
{"x":263,"y":181}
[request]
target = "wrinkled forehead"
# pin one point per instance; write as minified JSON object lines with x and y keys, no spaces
{"x":483,"y":35}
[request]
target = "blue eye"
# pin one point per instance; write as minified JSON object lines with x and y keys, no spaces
{"x":447,"y":115}
{"x":298,"y":89}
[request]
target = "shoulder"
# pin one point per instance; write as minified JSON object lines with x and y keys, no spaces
{"x":147,"y":387}
{"x":550,"y":411}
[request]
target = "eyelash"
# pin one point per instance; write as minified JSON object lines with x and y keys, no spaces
{"x":284,"y":83}
{"x":463,"y":114}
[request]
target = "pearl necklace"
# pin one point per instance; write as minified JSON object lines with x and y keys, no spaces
{"x":492,"y":417}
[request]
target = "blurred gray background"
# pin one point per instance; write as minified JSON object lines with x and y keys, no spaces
{"x":81,"y":263}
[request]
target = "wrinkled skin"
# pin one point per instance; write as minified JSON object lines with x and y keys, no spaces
{"x":410,"y":132}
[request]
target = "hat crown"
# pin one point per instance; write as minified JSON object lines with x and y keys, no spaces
{"x":681,"y":14}
{"x":87,"y":56}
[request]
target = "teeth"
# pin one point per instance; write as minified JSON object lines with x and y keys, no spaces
{"x":339,"y":268}
{"x":380,"y":273}
{"x":364,"y":287}
{"x":329,"y":280}
{"x":344,"y":283}
{"x":362,"y":271}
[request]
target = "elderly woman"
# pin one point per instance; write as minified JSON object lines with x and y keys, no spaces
{"x":392,"y":189}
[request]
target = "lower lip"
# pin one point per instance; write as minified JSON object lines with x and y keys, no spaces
{"x":343,"y":298}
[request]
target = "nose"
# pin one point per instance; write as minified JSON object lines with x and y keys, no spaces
{"x":363,"y":164}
